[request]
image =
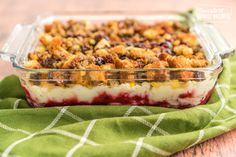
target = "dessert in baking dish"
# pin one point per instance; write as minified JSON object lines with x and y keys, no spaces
{"x":118,"y":62}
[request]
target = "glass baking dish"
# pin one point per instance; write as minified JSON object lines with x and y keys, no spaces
{"x":164,"y":87}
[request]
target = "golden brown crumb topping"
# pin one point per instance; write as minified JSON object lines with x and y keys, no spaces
{"x":120,"y":44}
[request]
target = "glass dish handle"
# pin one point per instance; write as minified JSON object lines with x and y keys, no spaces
{"x":14,"y":43}
{"x":213,"y":41}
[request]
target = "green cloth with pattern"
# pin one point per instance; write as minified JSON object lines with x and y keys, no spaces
{"x":112,"y":131}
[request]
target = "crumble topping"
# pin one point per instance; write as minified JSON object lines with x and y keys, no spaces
{"x":124,"y":44}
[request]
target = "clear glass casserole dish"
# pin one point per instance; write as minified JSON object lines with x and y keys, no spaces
{"x":164,"y":87}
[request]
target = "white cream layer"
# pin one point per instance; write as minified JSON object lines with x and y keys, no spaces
{"x":165,"y":92}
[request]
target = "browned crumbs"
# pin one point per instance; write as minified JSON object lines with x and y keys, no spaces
{"x":120,"y":44}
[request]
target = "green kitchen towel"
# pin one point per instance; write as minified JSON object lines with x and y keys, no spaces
{"x":112,"y":131}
